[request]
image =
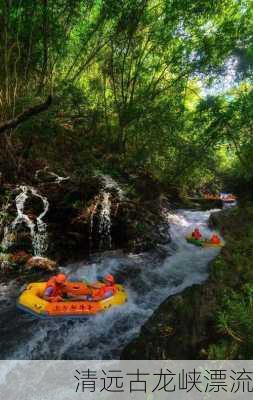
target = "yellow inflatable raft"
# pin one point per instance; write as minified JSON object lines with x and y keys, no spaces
{"x":31,"y":300}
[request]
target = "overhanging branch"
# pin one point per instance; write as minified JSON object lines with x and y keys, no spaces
{"x":30,"y":112}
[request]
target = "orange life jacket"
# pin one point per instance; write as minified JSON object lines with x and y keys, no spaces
{"x":57,"y":290}
{"x":215,"y":239}
{"x":103,"y":291}
{"x":196,"y":235}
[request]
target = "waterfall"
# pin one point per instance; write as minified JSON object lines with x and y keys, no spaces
{"x":40,"y":239}
{"x":37,"y":228}
{"x":110,"y":183}
{"x":105,"y":221}
{"x":9,"y":230}
{"x":21,"y":217}
{"x":104,"y":201}
{"x":104,"y":225}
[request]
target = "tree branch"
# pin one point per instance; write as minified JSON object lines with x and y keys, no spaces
{"x":30,"y":112}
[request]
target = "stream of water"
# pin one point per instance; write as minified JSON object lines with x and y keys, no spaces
{"x":148,"y":280}
{"x":37,"y":228}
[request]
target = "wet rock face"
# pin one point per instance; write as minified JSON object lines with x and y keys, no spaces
{"x":69,"y":218}
{"x":140,"y":226}
{"x":33,"y":206}
{"x":178,"y":331}
{"x":180,"y":328}
{"x":87,"y":217}
{"x":74,"y":219}
{"x":20,"y":240}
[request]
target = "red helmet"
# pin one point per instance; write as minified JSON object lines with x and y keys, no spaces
{"x":60,"y":278}
{"x":109,"y":278}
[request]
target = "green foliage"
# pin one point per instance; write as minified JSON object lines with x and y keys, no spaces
{"x":126,"y":78}
{"x":233,"y":276}
{"x":235,"y":320}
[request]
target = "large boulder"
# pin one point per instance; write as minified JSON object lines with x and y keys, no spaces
{"x":42,"y":263}
{"x":140,"y":226}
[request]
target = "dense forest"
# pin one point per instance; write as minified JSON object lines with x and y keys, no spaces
{"x":156,"y":95}
{"x":126,"y":85}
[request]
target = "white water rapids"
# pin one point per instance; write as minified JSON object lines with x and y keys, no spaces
{"x":148,"y":280}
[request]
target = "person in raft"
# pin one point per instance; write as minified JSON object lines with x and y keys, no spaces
{"x":196,"y":234}
{"x":57,"y":289}
{"x":215,"y":239}
{"x":105,"y":289}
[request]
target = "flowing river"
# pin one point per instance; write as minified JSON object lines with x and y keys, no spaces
{"x":148,"y":280}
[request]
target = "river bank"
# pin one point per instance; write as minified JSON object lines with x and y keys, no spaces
{"x":202,"y":321}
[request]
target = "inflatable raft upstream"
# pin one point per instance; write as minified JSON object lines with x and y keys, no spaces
{"x":31,"y":300}
{"x":203,"y":242}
